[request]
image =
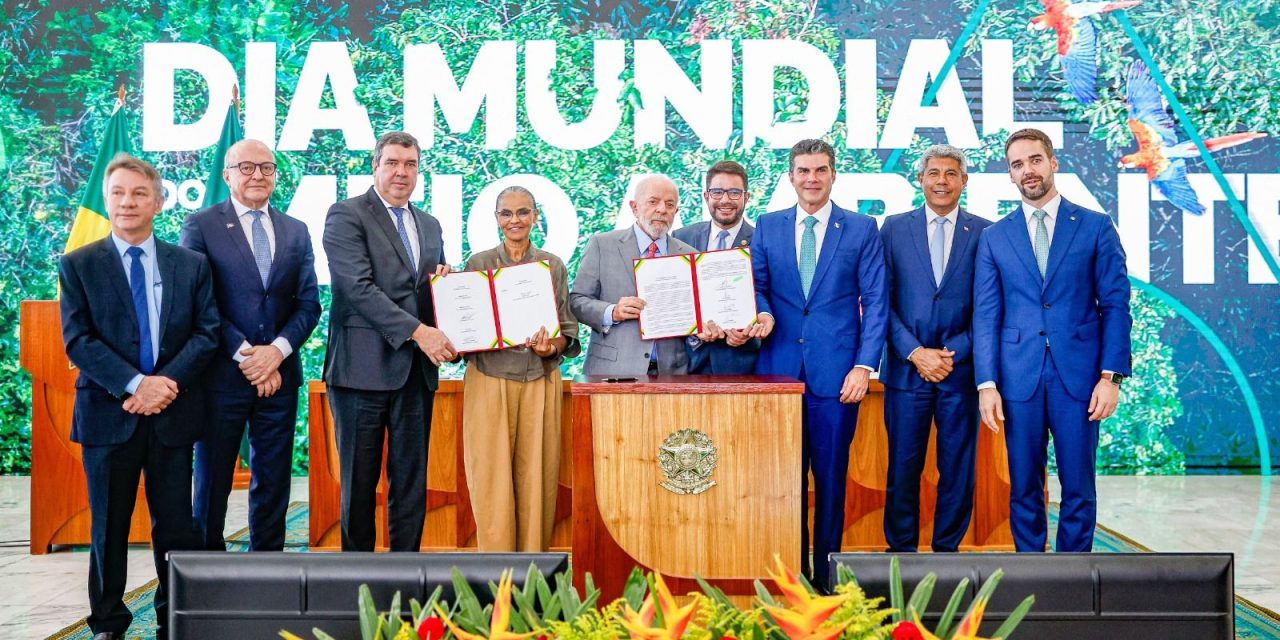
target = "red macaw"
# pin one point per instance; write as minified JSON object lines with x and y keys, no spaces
{"x":1159,"y":151}
{"x":1077,"y":40}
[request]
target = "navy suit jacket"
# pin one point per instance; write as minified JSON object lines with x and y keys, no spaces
{"x":288,"y":307}
{"x":823,"y":333}
{"x":923,"y":313}
{"x":1081,"y":306}
{"x":101,"y":335}
{"x":718,"y":357}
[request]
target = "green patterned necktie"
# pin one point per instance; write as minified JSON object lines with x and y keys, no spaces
{"x":808,"y":254}
{"x":1042,"y":241}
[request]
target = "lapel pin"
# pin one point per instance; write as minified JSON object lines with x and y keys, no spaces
{"x":742,"y":244}
{"x":1073,"y":218}
{"x":231,"y":225}
{"x":837,"y":225}
{"x":966,"y":228}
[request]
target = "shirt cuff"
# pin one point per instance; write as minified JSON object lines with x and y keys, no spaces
{"x":863,"y":366}
{"x":132,"y":387}
{"x":990,"y":384}
{"x":283,"y":345}
{"x":240,"y":357}
{"x":913,"y":352}
{"x":1107,"y":372}
{"x":606,"y":320}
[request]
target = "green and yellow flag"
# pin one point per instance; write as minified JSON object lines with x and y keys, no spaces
{"x":215,"y":189}
{"x":91,"y":220}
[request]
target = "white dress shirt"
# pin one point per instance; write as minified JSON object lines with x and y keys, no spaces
{"x":246,"y":225}
{"x":820,"y":230}
{"x":410,"y":226}
{"x":948,"y":232}
{"x":713,"y":237}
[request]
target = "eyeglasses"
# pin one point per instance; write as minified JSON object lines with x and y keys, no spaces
{"x":523,"y":214}
{"x":247,"y":168}
{"x":734,"y":194}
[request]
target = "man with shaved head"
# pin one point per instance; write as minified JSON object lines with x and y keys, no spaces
{"x":265,"y":283}
{"x":604,"y":292}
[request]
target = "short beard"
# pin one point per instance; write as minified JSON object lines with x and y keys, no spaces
{"x":1046,"y":185}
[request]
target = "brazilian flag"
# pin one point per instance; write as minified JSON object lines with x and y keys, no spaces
{"x":91,"y":220}
{"x":215,"y":189}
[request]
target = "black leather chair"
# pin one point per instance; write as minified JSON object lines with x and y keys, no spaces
{"x":1078,"y":595}
{"x":255,"y":595}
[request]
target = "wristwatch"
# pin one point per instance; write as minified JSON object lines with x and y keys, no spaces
{"x":1113,"y":378}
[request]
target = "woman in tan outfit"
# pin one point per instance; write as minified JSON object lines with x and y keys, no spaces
{"x":512,"y":402}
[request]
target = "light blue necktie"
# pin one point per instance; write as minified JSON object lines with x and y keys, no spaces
{"x":937,"y":249}
{"x":1042,"y":241}
{"x":808,"y":254}
{"x":261,"y":247}
{"x":722,"y":240}
{"x":138,"y":287}
{"x":404,"y":237}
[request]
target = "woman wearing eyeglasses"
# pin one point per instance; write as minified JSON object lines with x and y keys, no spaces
{"x":512,"y":403}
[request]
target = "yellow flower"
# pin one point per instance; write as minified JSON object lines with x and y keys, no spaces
{"x":674,"y":616}
{"x":500,"y":620}
{"x":804,"y":618}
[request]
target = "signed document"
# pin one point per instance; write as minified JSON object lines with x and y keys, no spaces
{"x":526,"y":301}
{"x":495,"y":309}
{"x":726,"y":288}
{"x":666,"y":286}
{"x":464,"y":310}
{"x":682,"y":293}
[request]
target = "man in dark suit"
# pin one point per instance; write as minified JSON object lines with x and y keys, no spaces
{"x":928,"y":371}
{"x":726,"y":197}
{"x":814,"y":264}
{"x":382,"y":363}
{"x":1050,"y":341}
{"x":265,"y":283}
{"x":140,"y":323}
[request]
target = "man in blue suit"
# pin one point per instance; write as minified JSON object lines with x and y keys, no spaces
{"x":815,"y":266}
{"x":1051,"y":342}
{"x":140,"y":323}
{"x":928,"y":371}
{"x":265,"y":282}
{"x":726,"y":197}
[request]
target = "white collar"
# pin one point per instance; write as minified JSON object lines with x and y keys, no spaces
{"x":823,"y":214}
{"x":1050,"y":207}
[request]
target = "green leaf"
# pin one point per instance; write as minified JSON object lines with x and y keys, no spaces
{"x":320,"y":635}
{"x":634,"y":589}
{"x":1015,"y":618}
{"x":921,"y":595}
{"x":895,"y":589}
{"x":369,"y":619}
{"x":949,"y":614}
{"x":718,"y":596}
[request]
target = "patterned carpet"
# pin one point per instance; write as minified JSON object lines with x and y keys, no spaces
{"x":1252,"y":622}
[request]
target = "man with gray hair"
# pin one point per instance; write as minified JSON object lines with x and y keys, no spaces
{"x":928,"y":368}
{"x":604,"y":291}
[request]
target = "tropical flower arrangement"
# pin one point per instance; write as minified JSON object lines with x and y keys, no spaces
{"x":648,"y":610}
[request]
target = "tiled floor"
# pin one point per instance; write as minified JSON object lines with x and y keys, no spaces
{"x":42,"y":594}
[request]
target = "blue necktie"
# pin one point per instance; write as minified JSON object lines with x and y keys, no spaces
{"x":404,"y":237}
{"x":808,"y":254}
{"x":261,"y":247}
{"x":722,"y":240}
{"x":1042,"y":241}
{"x":138,"y":287}
{"x":937,"y":249}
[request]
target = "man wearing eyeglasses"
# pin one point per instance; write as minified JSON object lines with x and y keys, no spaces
{"x":265,"y":284}
{"x":725,"y":351}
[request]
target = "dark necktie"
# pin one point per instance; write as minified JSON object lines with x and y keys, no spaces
{"x":138,"y":287}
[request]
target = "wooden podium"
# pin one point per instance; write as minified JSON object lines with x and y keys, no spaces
{"x":624,"y":514}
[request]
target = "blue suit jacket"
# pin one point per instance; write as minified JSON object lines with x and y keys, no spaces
{"x":1081,"y":306}
{"x":822,"y":333}
{"x":288,"y":307}
{"x":718,"y":357}
{"x":101,"y":335}
{"x":923,"y":313}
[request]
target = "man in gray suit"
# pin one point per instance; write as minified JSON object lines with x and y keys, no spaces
{"x":726,"y":197}
{"x":384,"y":350}
{"x":604,"y":292}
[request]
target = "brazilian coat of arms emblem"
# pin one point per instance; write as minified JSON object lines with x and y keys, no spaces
{"x":687,"y":458}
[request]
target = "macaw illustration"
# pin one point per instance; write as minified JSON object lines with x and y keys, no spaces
{"x":1077,"y":40}
{"x":1159,"y":151}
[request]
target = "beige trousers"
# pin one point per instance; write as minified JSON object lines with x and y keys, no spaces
{"x":511,"y":449}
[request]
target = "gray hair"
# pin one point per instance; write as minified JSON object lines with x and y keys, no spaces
{"x":515,"y":190}
{"x":810,"y":147}
{"x":401,"y":138}
{"x":943,"y":151}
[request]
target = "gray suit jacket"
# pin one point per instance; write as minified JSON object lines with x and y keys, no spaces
{"x":605,"y":276}
{"x":378,"y":300}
